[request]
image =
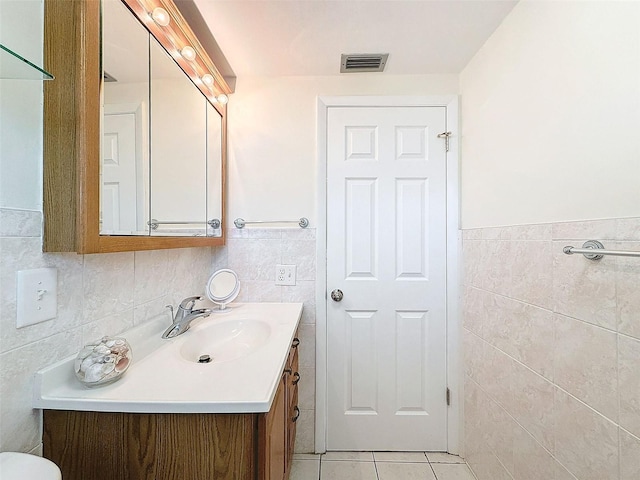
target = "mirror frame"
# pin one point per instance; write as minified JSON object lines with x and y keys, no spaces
{"x":72,"y":131}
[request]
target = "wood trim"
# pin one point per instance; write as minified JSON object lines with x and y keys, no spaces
{"x":88,"y":129}
{"x":117,"y":243}
{"x":71,"y":144}
{"x":60,"y":112}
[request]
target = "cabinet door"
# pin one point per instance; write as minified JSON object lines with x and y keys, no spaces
{"x":276,"y":435}
{"x":293,"y":412}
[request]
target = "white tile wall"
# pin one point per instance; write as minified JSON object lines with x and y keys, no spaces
{"x":552,"y":343}
{"x":629,"y":456}
{"x":552,"y":353}
{"x":97,"y":295}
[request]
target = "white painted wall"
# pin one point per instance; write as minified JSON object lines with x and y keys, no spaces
{"x":272,"y":137}
{"x":551,"y":116}
{"x":21,"y":107}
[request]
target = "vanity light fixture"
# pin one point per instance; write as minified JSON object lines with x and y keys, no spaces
{"x":188,"y":52}
{"x":207,"y":79}
{"x":161,"y":16}
{"x":163,"y":19}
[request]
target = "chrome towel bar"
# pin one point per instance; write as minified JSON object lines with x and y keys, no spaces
{"x":594,"y":250}
{"x":153,"y":223}
{"x":241,"y":222}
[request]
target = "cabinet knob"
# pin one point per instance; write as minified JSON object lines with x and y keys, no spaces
{"x":297,"y":415}
{"x":295,"y":343}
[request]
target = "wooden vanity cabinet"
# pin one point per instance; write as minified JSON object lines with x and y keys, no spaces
{"x":185,"y":446}
{"x":279,"y":425}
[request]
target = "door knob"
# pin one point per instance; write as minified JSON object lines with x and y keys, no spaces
{"x":337,"y":295}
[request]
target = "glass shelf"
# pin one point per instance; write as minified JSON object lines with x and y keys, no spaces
{"x":14,"y":66}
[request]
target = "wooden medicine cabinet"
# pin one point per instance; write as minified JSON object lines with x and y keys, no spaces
{"x":135,"y":130}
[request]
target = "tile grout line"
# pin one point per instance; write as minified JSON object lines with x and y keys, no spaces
{"x":375,"y":466}
{"x":431,"y":467}
{"x":321,"y":460}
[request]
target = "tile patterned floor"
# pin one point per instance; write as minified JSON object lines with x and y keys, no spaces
{"x":380,"y":466}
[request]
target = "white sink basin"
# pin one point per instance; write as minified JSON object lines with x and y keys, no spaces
{"x":248,"y":345}
{"x":226,"y":340}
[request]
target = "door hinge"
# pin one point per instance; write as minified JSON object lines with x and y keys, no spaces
{"x":448,"y":397}
{"x":446,"y":136}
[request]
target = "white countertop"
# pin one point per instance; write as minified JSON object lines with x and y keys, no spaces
{"x":160,"y":380}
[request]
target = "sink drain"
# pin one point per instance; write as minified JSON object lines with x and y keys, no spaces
{"x":204,"y":359}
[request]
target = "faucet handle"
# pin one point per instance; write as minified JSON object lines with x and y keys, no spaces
{"x":189,"y":302}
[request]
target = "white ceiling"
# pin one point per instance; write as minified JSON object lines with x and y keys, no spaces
{"x":307,"y":37}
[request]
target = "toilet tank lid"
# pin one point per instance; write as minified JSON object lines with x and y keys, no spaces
{"x":23,"y":466}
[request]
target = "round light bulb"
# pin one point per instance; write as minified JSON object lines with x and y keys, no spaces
{"x":222,"y":98}
{"x":160,"y":16}
{"x":207,"y":79}
{"x":188,"y":52}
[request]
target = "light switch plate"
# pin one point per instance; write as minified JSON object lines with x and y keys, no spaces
{"x":285,"y":274}
{"x":37,"y":296}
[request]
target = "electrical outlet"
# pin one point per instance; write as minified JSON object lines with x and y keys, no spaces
{"x":285,"y":274}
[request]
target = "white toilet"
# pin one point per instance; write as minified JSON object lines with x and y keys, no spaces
{"x":23,"y":466}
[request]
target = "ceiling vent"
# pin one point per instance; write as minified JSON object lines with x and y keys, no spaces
{"x":367,"y":62}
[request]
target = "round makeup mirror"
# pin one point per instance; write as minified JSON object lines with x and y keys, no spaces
{"x":222,"y":288}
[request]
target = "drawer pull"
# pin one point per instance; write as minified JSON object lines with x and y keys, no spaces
{"x":297,"y":415}
{"x":288,"y":371}
{"x":295,"y":343}
{"x":296,"y":378}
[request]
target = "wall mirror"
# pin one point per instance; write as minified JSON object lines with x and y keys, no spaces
{"x":134,"y":160}
{"x":162,"y":139}
{"x":124,"y":168}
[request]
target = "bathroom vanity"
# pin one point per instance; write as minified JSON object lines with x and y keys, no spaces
{"x":171,"y":417}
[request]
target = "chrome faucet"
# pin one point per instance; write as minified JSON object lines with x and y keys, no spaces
{"x":184,"y":316}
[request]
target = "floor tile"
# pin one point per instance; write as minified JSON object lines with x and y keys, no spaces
{"x":354,"y":456}
{"x":442,"y":457}
{"x":345,"y":470}
{"x":404,"y":471}
{"x":305,"y":469}
{"x":452,"y":471}
{"x":400,"y":457}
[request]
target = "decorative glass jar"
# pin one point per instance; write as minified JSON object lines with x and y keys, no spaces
{"x":103,"y":361}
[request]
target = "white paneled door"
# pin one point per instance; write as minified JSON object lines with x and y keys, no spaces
{"x":386,"y":254}
{"x":118,"y":174}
